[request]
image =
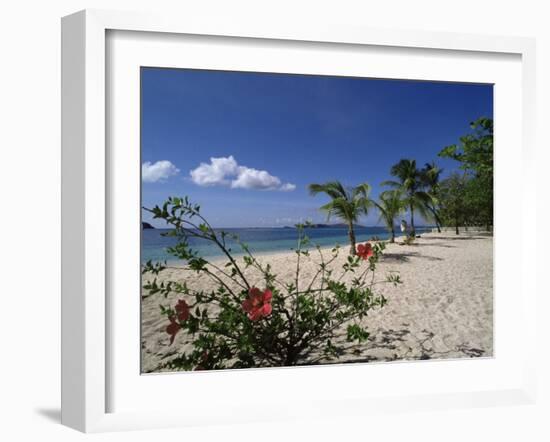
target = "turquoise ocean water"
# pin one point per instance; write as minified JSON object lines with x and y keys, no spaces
{"x":259,"y":240}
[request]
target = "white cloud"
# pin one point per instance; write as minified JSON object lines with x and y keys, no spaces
{"x":255,"y":179}
{"x":225,"y":171}
{"x":159,"y":171}
{"x":216,"y":172}
{"x":287,"y":187}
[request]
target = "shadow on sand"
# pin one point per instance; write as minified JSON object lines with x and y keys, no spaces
{"x":406,"y":257}
{"x":420,"y":347}
{"x":433,"y":244}
{"x":460,"y":237}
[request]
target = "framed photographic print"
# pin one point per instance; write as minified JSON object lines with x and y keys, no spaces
{"x":247,"y":269}
{"x":295,"y":212}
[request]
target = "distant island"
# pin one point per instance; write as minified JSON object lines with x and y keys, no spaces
{"x":145,"y":225}
{"x":328,"y":226}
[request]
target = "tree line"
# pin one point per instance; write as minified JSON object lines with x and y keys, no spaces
{"x":464,"y":198}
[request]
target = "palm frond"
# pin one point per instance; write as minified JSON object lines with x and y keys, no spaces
{"x":391,"y":183}
{"x":346,"y":204}
{"x":334,"y":189}
{"x":390,"y":205}
{"x":362,"y":190}
{"x":420,"y":202}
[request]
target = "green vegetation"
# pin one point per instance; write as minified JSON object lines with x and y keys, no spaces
{"x":453,"y":201}
{"x":390,"y":206}
{"x":411,"y":183}
{"x":346,"y":203}
{"x":430,"y":176}
{"x":460,"y":200}
{"x":474,"y":152}
{"x":270,"y":321}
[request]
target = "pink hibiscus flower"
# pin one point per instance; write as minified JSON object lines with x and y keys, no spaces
{"x":258,"y":303}
{"x":182,"y":309}
{"x":173,"y":329}
{"x":365,"y":250}
{"x":182,"y":314}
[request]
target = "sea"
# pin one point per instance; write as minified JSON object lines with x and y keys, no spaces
{"x":260,"y":240}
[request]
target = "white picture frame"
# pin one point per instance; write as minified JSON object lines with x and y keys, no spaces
{"x":85,"y":210}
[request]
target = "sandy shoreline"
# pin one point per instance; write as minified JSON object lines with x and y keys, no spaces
{"x":443,"y":309}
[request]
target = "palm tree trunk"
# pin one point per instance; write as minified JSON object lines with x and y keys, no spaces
{"x":392,"y":239}
{"x":413,"y":231}
{"x":351,"y":234}
{"x":434,"y":212}
{"x":456,"y":226}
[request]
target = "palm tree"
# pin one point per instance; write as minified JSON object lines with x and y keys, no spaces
{"x":430,"y":175}
{"x":346,"y":203}
{"x":411,"y":184}
{"x":390,"y":206}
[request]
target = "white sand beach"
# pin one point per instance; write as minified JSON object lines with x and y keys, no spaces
{"x":443,"y":308}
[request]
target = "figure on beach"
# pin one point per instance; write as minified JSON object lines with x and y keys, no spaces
{"x":404,"y":226}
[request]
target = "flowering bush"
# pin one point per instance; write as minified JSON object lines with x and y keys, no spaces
{"x":270,"y":322}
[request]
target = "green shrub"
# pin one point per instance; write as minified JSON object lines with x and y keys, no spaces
{"x":281,"y":322}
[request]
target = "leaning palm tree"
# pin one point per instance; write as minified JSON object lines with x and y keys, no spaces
{"x":348,"y":204}
{"x":430,"y":174}
{"x":411,"y":184}
{"x":390,"y":206}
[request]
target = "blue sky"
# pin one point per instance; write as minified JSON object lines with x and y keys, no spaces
{"x":273,"y":134}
